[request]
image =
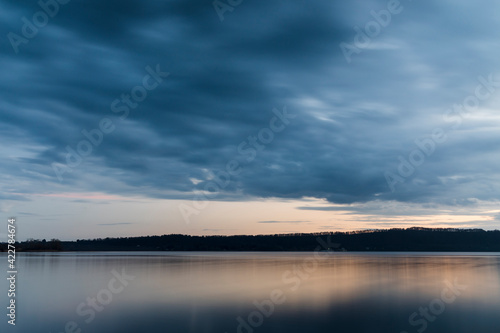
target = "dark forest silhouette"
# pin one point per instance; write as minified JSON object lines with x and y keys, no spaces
{"x":411,"y":239}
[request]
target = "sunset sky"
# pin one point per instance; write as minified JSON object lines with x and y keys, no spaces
{"x":121,"y":118}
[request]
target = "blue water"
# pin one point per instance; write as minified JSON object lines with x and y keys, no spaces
{"x":254,"y":292}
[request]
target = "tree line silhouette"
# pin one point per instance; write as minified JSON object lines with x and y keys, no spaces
{"x":35,"y":245}
{"x":396,"y":239}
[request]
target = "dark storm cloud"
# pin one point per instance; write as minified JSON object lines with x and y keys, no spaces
{"x":352,"y":120}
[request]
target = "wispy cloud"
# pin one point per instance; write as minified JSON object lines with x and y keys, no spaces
{"x":110,"y":224}
{"x":284,"y":222}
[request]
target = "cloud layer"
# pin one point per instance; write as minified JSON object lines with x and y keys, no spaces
{"x":354,"y":122}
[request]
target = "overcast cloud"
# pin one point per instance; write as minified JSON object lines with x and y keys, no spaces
{"x":353,"y":120}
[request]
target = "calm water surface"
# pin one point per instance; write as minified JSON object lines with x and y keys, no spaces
{"x":255,"y":292}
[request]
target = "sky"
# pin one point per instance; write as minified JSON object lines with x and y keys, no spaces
{"x":201,"y":117}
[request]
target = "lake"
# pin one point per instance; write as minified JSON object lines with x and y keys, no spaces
{"x":255,"y":292}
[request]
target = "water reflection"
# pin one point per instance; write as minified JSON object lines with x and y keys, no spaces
{"x":261,"y":292}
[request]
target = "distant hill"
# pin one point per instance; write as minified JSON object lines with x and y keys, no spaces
{"x":411,"y":239}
